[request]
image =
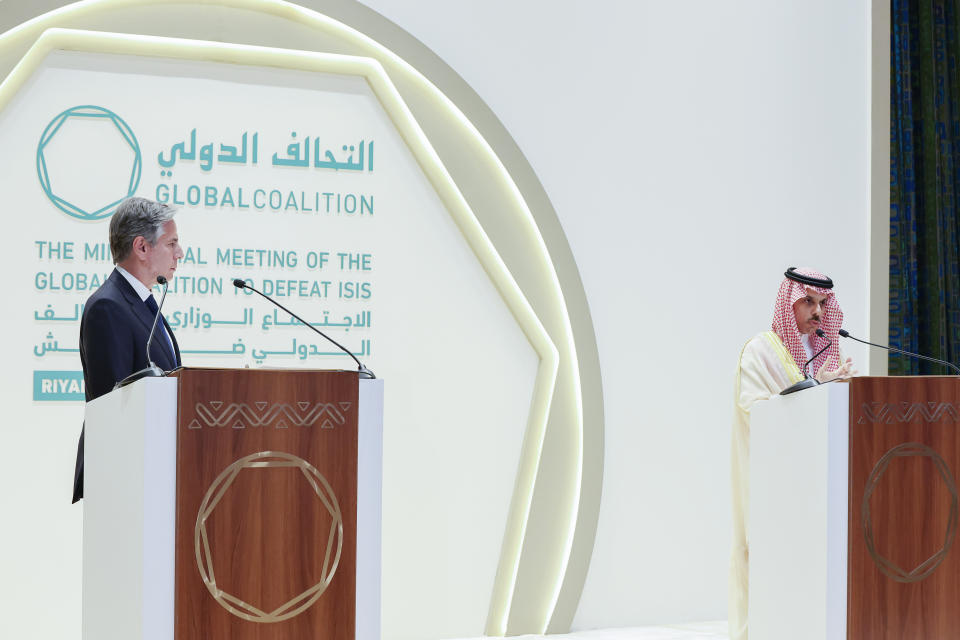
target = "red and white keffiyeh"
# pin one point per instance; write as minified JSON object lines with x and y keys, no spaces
{"x":785,"y":322}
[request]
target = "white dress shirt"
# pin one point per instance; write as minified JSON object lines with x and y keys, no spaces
{"x":144,"y":292}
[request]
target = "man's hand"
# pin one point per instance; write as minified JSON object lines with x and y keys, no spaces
{"x":845,"y":370}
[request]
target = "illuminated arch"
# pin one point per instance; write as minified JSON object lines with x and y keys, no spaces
{"x":555,"y":486}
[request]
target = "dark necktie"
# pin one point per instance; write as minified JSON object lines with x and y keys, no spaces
{"x":161,"y":329}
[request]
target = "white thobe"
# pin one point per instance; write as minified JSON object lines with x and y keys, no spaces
{"x":765,"y":369}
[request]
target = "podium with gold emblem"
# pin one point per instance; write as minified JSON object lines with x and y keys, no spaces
{"x":853,"y":511}
{"x":225,"y":503}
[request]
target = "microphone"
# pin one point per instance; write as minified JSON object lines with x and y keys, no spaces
{"x":806,"y":366}
{"x":364,"y":373}
{"x":846,"y":334}
{"x":152,"y":370}
{"x":807,"y":381}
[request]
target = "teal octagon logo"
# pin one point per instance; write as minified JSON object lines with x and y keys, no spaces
{"x":88,"y":162}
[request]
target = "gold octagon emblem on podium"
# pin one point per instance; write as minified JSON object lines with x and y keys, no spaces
{"x":331,"y":559}
{"x":886,"y":565}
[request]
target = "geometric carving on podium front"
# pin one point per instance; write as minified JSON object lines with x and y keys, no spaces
{"x":888,"y":567}
{"x":334,"y":539}
{"x":894,"y":412}
{"x":264,"y":414}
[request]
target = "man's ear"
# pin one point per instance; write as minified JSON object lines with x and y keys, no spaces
{"x":139,"y":246}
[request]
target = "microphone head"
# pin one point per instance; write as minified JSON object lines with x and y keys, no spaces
{"x":844,"y":333}
{"x":161,"y":280}
{"x":820,"y":333}
{"x":239,"y":284}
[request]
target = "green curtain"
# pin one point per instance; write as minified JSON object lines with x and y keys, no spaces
{"x":924,"y":183}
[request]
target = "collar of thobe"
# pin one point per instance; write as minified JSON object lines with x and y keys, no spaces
{"x":805,"y":341}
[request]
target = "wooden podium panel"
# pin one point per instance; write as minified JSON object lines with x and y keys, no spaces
{"x":266,"y":505}
{"x":904,"y":581}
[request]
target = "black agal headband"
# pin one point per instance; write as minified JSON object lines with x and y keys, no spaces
{"x":823,"y":283}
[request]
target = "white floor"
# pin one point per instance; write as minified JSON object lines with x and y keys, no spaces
{"x":691,"y":631}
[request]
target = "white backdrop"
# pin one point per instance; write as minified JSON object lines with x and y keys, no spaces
{"x":427,"y":289}
{"x":693,"y":151}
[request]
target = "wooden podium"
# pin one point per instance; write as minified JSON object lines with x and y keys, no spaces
{"x":853,"y":511}
{"x":235,"y":504}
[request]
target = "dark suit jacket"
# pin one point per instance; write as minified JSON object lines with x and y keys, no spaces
{"x":113,"y":344}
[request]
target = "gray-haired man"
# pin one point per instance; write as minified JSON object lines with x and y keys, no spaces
{"x":117,"y":317}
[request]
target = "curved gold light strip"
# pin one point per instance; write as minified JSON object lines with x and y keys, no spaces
{"x":563,"y":351}
{"x":201,"y":542}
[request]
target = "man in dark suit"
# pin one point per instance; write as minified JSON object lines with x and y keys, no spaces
{"x":117,"y":317}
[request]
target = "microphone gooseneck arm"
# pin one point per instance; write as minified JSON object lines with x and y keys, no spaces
{"x":807,"y":381}
{"x":152,"y":370}
{"x":806,"y":367}
{"x":156,"y":318}
{"x":846,"y":334}
{"x":362,"y":370}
